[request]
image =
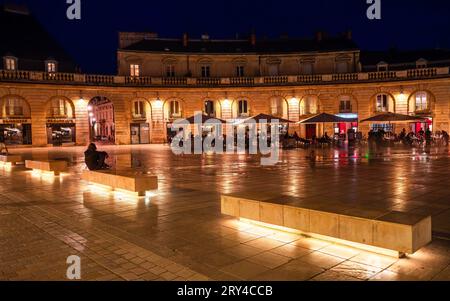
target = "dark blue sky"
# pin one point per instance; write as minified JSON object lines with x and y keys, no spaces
{"x":405,"y":24}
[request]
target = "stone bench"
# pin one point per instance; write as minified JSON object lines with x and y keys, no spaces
{"x":54,"y":166}
{"x":10,"y":160}
{"x":132,"y":182}
{"x":382,"y":231}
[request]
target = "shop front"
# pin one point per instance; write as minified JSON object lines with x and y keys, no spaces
{"x":16,"y":131}
{"x":140,"y":133}
{"x":417,"y":127}
{"x":350,"y":124}
{"x":61,"y":132}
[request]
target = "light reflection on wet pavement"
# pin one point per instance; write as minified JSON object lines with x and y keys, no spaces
{"x":179,"y":232}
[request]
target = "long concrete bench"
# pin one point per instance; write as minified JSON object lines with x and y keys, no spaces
{"x":10,"y":160}
{"x":54,"y":166}
{"x":388,"y":230}
{"x":133,"y":182}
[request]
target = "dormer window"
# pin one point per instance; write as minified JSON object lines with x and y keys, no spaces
{"x":382,"y":67}
{"x":240,"y":71}
{"x":51,"y":66}
{"x":206,"y":71}
{"x":421,"y":63}
{"x":10,"y":63}
{"x":170,"y":70}
{"x":135,"y":70}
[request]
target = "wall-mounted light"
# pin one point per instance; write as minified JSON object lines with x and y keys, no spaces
{"x":293,"y":101}
{"x":158,"y":103}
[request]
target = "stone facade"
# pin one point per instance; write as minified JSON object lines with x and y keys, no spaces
{"x":260,"y":99}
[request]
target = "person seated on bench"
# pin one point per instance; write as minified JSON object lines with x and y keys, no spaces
{"x":3,"y":148}
{"x":94,"y":159}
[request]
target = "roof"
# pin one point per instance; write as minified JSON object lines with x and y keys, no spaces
{"x":24,"y":37}
{"x":394,"y":57}
{"x":243,"y":46}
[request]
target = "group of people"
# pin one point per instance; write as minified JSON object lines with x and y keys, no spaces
{"x":410,"y":138}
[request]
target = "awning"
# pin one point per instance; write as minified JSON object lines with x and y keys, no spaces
{"x":204,"y":119}
{"x":393,"y":118}
{"x":324,"y":118}
{"x":267,"y":118}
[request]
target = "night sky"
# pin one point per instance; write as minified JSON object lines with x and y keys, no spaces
{"x":93,"y":40}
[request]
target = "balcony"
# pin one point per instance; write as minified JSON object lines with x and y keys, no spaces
{"x":294,"y":80}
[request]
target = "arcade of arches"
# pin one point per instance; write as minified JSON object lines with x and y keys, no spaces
{"x":46,"y":115}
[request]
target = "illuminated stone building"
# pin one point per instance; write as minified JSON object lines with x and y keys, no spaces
{"x":160,"y":80}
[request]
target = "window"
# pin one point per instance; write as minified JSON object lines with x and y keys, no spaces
{"x":170,"y":70}
{"x":273,"y":69}
{"x":277,"y":107}
{"x":139,"y":109}
{"x":243,"y":108}
{"x":308,"y":106}
{"x":209,"y":108}
{"x":382,"y":66}
{"x":421,"y":101}
{"x":239,"y":71}
{"x":14,"y":107}
{"x":10,"y":63}
{"x":59,"y":108}
{"x":206,"y":71}
{"x":174,"y":109}
{"x":421,"y":64}
{"x":307,"y":68}
{"x":135,"y":70}
{"x":382,"y":103}
{"x":345,"y":106}
{"x":342,"y":67}
{"x":51,"y":67}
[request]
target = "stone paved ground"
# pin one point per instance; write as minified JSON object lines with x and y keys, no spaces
{"x":179,"y":233}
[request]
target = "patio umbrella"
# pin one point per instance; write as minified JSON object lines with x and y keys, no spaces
{"x":269,"y":118}
{"x":393,"y":118}
{"x":204,"y":118}
{"x":323,"y":118}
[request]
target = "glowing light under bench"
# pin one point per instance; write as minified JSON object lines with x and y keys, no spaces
{"x":389,"y":233}
{"x":126,"y":182}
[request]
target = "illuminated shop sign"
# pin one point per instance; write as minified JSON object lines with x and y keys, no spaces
{"x":14,"y":121}
{"x":60,"y":121}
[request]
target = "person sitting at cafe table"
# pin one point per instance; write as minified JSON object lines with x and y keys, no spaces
{"x":445,"y":137}
{"x":94,"y":159}
{"x":428,"y":137}
{"x":3,"y":148}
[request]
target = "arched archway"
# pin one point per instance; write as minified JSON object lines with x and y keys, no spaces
{"x":309,"y":105}
{"x":16,"y":120}
{"x":102,"y":128}
{"x":279,"y":107}
{"x":61,"y":124}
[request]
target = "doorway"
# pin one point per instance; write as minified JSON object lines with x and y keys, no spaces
{"x":311,"y":131}
{"x":140,"y":133}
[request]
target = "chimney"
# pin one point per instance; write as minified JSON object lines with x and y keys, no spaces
{"x":349,"y":35}
{"x":253,"y":38}
{"x":319,"y":36}
{"x":185,"y":39}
